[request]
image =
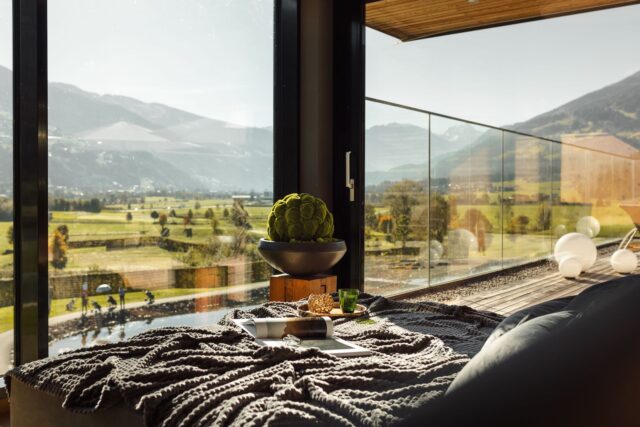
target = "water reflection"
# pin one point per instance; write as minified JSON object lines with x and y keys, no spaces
{"x":112,"y":327}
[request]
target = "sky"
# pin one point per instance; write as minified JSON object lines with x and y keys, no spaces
{"x":503,"y":75}
{"x":209,"y":57}
{"x":215,"y":58}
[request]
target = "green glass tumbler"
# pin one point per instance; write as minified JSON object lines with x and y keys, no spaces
{"x":348,"y":299}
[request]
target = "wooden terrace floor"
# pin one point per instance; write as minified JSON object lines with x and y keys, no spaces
{"x":508,"y":300}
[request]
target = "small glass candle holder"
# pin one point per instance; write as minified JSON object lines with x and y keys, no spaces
{"x":348,"y":299}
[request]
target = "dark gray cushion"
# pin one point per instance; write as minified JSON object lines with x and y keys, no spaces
{"x":510,"y":345}
{"x":585,"y":373}
{"x":527,"y":314}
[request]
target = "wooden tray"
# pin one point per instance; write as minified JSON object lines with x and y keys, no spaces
{"x":361,"y":310}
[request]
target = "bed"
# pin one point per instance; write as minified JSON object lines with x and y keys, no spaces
{"x":220,"y":375}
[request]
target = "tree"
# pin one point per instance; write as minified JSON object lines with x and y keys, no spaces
{"x":208,"y":214}
{"x":225,"y":213}
{"x":480,"y":226}
{"x":173,"y":213}
{"x":58,"y":250}
{"x":95,"y":205}
{"x":520,"y":224}
{"x":197,"y":205}
{"x":129,"y":216}
{"x":64,"y":230}
{"x":190,"y":214}
{"x":10,"y":234}
{"x":370,"y":217}
{"x":454,"y":218}
{"x":507,"y":216}
{"x":401,"y":197}
{"x":402,"y":229}
{"x":155,"y":215}
{"x":129,"y":206}
{"x":162,"y":220}
{"x":215,"y":227}
{"x":543,"y":217}
{"x":438,"y":217}
{"x":240,"y":216}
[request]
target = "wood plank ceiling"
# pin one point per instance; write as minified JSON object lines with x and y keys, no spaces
{"x":416,"y":19}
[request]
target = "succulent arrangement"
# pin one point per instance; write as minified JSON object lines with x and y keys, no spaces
{"x":300,"y":218}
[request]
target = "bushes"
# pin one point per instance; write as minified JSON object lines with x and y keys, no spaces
{"x":59,"y":250}
{"x":89,"y":205}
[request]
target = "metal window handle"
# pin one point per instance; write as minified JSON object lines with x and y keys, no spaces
{"x":349,"y":182}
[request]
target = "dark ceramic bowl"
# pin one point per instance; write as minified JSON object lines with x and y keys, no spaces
{"x":303,"y":258}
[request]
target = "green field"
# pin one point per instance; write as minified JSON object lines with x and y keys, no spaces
{"x":111,"y":223}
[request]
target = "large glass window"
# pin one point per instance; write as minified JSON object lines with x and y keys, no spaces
{"x":6,"y":188}
{"x":547,"y":135}
{"x":160,"y":163}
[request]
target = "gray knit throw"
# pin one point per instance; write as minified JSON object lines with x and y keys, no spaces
{"x":200,"y":377}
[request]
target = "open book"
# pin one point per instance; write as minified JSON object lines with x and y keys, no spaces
{"x":305,"y":332}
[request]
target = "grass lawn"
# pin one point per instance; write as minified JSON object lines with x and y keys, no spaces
{"x":111,"y":223}
{"x":142,"y":258}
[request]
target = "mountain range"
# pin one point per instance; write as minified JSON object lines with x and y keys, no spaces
{"x":110,"y":142}
{"x":613,"y":110}
{"x":107,"y":142}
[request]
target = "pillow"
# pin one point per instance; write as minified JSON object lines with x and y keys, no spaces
{"x":526,"y":314}
{"x":601,"y":294}
{"x":510,"y":344}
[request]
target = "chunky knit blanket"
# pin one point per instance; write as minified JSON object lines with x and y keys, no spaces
{"x":220,"y":376}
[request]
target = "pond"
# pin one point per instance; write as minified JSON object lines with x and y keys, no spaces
{"x":116,"y":332}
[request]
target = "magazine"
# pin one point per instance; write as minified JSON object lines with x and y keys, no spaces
{"x":305,"y":332}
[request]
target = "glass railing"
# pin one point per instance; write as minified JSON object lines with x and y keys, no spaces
{"x":448,"y":199}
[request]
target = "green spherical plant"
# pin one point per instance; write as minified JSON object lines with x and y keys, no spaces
{"x":300,"y":218}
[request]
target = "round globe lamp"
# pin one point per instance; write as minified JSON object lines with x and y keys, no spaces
{"x":624,"y":261}
{"x":589,"y":226}
{"x":570,"y":267}
{"x":576,"y":245}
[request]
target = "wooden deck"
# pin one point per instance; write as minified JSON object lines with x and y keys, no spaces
{"x":508,"y":300}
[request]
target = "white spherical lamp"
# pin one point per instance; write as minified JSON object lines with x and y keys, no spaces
{"x":435,"y":249}
{"x":576,"y":245}
{"x":589,"y":226}
{"x":460,"y":242}
{"x":624,"y":261}
{"x":570,"y":267}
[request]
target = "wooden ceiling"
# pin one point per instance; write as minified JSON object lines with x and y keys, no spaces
{"x":416,"y":19}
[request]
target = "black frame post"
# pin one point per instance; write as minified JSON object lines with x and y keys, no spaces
{"x":348,"y":125}
{"x":30,"y":179}
{"x":286,"y":98}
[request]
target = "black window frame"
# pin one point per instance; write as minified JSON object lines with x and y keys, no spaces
{"x":30,"y":157}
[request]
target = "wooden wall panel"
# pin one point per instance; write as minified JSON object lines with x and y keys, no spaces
{"x":415,"y":19}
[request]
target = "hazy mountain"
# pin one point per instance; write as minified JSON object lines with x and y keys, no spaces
{"x":462,"y":133}
{"x":108,"y":141}
{"x":614,"y":109}
{"x":77,"y":168}
{"x":395,"y":151}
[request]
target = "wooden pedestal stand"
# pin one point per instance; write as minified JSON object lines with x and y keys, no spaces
{"x":283,"y":287}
